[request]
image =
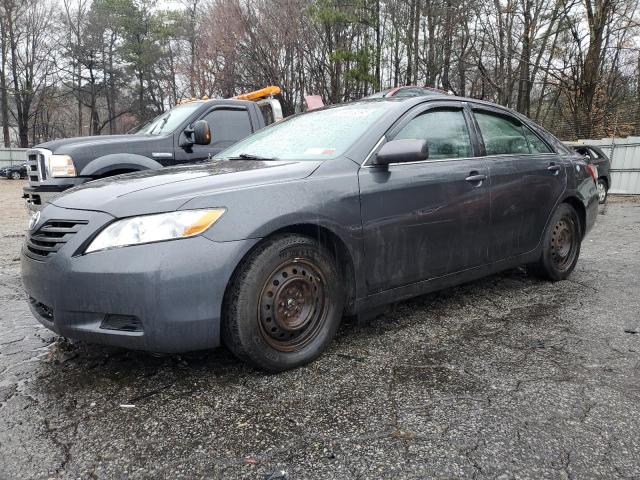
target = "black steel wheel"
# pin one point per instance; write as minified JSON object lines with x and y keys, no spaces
{"x":293,"y":305}
{"x":284,"y":304}
{"x":602,"y":191}
{"x":561,"y":244}
{"x":564,"y":245}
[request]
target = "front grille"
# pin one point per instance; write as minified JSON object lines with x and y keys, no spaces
{"x":51,"y":236}
{"x":37,"y":165}
{"x":32,"y":169}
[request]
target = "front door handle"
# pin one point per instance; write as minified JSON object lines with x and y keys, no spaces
{"x":553,"y":168}
{"x":475,"y":177}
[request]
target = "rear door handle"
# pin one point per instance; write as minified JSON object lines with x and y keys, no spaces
{"x":553,"y":168}
{"x":475,"y":178}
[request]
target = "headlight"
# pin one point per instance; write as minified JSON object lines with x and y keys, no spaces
{"x":61,"y":166}
{"x":155,"y":228}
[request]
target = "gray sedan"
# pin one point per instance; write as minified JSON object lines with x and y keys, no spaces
{"x":332,"y":212}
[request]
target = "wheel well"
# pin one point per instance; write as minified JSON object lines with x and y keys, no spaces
{"x":331,"y":241}
{"x":113,"y":173}
{"x":336,"y":246}
{"x":580,"y":210}
{"x":604,"y":179}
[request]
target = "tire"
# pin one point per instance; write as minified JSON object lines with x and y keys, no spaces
{"x":15,"y":175}
{"x":284,"y":304}
{"x":602,"y":191}
{"x":561,"y":244}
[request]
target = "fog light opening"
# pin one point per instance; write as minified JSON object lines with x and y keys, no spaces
{"x":122,"y":323}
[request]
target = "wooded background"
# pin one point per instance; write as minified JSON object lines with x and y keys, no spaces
{"x":85,"y":67}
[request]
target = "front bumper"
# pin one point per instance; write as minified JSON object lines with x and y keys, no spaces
{"x":39,"y":195}
{"x":173,"y":289}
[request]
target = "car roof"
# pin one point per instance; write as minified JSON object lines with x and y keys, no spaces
{"x":436,"y":96}
{"x":580,"y":144}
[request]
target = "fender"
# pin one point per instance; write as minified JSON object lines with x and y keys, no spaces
{"x":118,"y":161}
{"x":349,"y":239}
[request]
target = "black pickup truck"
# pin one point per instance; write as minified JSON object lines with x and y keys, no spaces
{"x":168,"y":140}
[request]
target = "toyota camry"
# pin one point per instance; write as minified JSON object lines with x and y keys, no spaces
{"x":329,"y":213}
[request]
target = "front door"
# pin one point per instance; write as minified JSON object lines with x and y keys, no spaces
{"x":527,"y":180}
{"x":426,"y":219}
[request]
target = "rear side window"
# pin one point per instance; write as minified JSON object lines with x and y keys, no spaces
{"x":445,"y":131}
{"x":501,"y":135}
{"x":228,"y":126}
{"x":535,"y":143}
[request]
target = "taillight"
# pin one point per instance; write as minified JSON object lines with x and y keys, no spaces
{"x":592,"y":171}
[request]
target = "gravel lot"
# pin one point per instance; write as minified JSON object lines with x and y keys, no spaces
{"x":507,"y":377}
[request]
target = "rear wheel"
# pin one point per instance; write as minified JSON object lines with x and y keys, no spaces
{"x":602,"y":190}
{"x":15,"y":175}
{"x":284,"y":304}
{"x":561,"y":244}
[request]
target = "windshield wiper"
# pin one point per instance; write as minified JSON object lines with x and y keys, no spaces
{"x":249,"y":156}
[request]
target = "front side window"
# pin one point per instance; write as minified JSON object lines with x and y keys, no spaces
{"x":445,"y":131}
{"x":228,"y":126}
{"x":501,"y":135}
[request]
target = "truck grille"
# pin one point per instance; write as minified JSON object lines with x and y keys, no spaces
{"x":36,"y":165}
{"x":50,"y":237}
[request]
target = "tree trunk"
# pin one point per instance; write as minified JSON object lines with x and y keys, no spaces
{"x":524,"y":100}
{"x":4,"y":106}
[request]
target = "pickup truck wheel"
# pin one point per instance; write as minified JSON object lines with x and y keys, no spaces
{"x":15,"y":175}
{"x":284,"y":304}
{"x":561,"y":244}
{"x":602,"y":191}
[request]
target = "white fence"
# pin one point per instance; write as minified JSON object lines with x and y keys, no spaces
{"x":12,"y":156}
{"x":625,"y":163}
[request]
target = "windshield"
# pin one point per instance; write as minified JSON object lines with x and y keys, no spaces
{"x":168,"y":121}
{"x":316,"y":135}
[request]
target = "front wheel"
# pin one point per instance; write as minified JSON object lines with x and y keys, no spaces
{"x":561,"y":244}
{"x":284,"y":304}
{"x":602,"y":191}
{"x":15,"y":175}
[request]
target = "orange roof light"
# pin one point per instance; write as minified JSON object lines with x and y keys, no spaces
{"x":258,"y":94}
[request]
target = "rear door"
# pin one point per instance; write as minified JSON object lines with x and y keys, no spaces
{"x":527,"y":180}
{"x":426,"y":219}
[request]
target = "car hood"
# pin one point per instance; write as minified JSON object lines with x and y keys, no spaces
{"x":169,"y":188}
{"x":68,"y":145}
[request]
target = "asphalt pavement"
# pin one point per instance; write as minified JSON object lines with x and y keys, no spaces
{"x":506,"y":377}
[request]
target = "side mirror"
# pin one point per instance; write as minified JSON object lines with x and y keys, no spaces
{"x":198,"y":133}
{"x":402,"y":151}
{"x":201,"y":133}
